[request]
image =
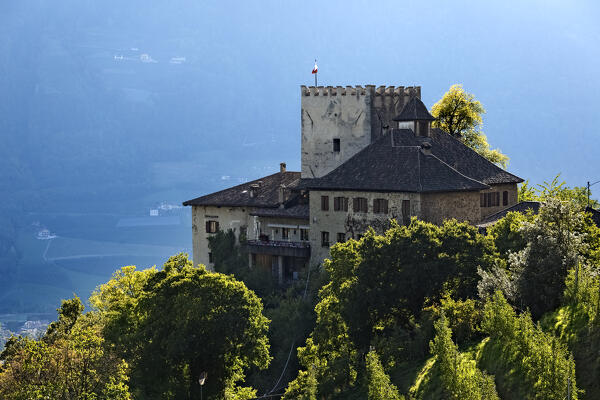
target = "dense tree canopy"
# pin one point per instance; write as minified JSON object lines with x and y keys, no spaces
{"x":174,"y":324}
{"x":70,"y":362}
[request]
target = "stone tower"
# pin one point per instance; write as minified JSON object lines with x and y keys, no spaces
{"x":338,"y":122}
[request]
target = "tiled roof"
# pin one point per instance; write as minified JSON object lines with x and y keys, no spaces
{"x":388,"y":166}
{"x":295,"y":212}
{"x":460,"y":157}
{"x":266,"y":192}
{"x":521,"y":207}
{"x":414,"y":110}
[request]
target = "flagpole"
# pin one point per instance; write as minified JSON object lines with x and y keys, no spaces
{"x":316,"y":73}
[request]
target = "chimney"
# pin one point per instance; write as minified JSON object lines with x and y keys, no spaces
{"x":282,"y":195}
{"x":426,"y":148}
{"x":282,"y":167}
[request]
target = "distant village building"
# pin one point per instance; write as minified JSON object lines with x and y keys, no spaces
{"x":368,"y":155}
{"x":45,"y":234}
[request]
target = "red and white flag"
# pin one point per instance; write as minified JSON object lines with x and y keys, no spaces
{"x":315,"y":68}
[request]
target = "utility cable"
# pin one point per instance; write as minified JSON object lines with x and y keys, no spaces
{"x":293,"y":342}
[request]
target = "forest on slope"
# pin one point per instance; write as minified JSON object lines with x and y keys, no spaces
{"x":420,"y":312}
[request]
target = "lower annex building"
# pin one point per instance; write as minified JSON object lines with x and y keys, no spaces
{"x":368,"y":155}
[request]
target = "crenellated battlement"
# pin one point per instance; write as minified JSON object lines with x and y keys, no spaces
{"x":359,"y":90}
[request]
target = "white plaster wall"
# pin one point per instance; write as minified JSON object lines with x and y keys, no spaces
{"x":326,"y":116}
{"x":228,"y":217}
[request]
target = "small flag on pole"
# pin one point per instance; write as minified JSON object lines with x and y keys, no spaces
{"x":315,"y":72}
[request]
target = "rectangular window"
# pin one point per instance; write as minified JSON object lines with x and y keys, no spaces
{"x":423,"y":128}
{"x":341,"y":237}
{"x":336,"y":145}
{"x":325,"y":239}
{"x":340,"y":204}
{"x":212,"y":226}
{"x":505,"y":198}
{"x":380,"y":206}
{"x":406,"y":212}
{"x":491,"y":199}
{"x":210,"y":258}
{"x":324,"y":203}
{"x":304,"y":234}
{"x":359,"y":204}
{"x":285,"y":233}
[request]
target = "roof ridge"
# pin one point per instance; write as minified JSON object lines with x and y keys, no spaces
{"x":188,"y":202}
{"x":457,"y":171}
{"x":460,"y":142}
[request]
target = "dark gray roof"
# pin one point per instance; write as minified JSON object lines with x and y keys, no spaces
{"x":385,"y":166}
{"x":266,"y":192}
{"x":460,"y":157}
{"x":414,"y":110}
{"x":522,"y":207}
{"x":295,"y":212}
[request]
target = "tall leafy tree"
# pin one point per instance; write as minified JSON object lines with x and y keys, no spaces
{"x":378,"y":382}
{"x":461,"y":379}
{"x":193,"y":321}
{"x":460,"y":114}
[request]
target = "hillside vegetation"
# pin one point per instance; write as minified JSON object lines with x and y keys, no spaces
{"x":420,"y":312}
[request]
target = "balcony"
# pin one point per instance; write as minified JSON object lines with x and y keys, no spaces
{"x":279,"y":248}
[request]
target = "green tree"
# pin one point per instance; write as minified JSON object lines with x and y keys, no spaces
{"x":555,"y":243}
{"x":193,"y":321}
{"x":461,"y":379}
{"x":544,"y":364}
{"x":378,"y":287}
{"x":70,"y":362}
{"x":557,"y":189}
{"x":116,"y":304}
{"x":378,"y":382}
{"x":459,"y":114}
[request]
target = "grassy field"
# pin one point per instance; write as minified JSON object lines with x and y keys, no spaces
{"x":51,"y":270}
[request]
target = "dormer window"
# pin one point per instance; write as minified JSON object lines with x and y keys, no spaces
{"x":422,"y":128}
{"x":336,"y":145}
{"x":414,"y":116}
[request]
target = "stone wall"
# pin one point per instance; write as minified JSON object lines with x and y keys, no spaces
{"x":437,"y":207}
{"x":354,"y":115}
{"x":513,"y":195}
{"x":350,"y":223}
{"x":228,"y":217}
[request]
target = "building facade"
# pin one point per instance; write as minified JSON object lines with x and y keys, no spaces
{"x":369,"y":155}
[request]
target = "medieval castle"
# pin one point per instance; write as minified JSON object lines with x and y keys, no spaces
{"x":369,"y":155}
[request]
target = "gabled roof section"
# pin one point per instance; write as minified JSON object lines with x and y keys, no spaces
{"x":385,"y":166}
{"x":266,"y":192}
{"x":299,"y":211}
{"x":414,"y":110}
{"x":460,"y":157}
{"x":522,"y":207}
